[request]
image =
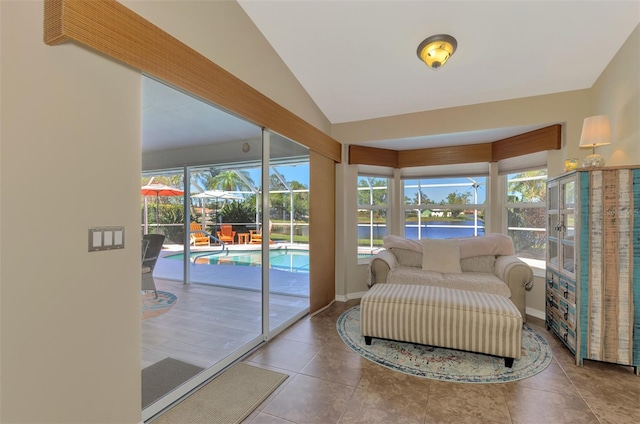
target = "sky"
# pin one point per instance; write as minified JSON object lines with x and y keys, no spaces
{"x":437,"y":189}
{"x":299,"y":173}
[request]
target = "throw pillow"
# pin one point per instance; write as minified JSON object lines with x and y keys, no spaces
{"x":441,"y":255}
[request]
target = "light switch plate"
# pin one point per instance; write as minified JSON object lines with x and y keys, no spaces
{"x":106,"y":238}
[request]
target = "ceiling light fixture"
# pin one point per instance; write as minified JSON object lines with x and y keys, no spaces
{"x":596,"y":131}
{"x":436,"y":50}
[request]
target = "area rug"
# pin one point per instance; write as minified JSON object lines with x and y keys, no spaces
{"x":228,"y":398}
{"x":446,"y":364}
{"x":164,"y":376}
{"x":152,"y":307}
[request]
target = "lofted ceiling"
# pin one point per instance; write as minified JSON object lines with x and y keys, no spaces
{"x":357,"y":59}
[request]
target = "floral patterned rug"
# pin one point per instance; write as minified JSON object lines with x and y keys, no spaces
{"x":446,"y":364}
{"x":152,"y":307}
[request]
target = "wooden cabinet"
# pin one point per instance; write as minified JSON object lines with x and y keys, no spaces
{"x":593,"y":263}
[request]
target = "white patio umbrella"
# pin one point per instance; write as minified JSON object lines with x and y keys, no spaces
{"x":215,"y":194}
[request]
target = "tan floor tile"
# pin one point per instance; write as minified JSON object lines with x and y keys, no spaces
{"x":337,"y":365}
{"x":316,"y":331}
{"x":531,"y":406}
{"x":336,"y":342}
{"x":376,"y":378}
{"x":263,"y":418}
{"x":552,"y":379}
{"x":379,"y":407}
{"x":612,"y":391}
{"x":467,"y":403}
{"x":286,"y":354}
{"x":387,"y":396}
{"x":310,"y":400}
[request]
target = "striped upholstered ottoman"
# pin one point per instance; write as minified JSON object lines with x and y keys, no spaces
{"x":444,"y":317}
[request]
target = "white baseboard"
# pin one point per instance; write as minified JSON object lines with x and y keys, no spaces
{"x":350,"y":296}
{"x":536,"y":313}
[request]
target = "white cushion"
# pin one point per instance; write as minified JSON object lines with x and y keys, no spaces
{"x":441,"y":255}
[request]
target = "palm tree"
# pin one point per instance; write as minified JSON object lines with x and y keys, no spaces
{"x":228,"y":181}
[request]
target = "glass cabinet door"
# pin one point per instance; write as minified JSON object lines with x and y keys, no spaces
{"x":566,"y":227}
{"x":552,"y":195}
{"x":553,"y":227}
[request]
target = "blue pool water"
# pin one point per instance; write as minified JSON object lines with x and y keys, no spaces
{"x":292,"y":260}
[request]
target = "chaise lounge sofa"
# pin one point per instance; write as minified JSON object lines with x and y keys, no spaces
{"x":485,"y":264}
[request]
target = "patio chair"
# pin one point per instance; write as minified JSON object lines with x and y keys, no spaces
{"x":255,"y":237}
{"x":226,"y":233}
{"x":151,"y":255}
{"x":145,"y":245}
{"x":198,"y":237}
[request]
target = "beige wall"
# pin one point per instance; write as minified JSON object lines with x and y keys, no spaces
{"x":617,"y":94}
{"x":70,"y":160}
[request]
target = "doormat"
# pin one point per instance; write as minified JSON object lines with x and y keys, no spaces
{"x":164,"y":376}
{"x":227,"y":399}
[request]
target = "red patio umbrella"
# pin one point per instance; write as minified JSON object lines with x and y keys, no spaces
{"x":158,"y":190}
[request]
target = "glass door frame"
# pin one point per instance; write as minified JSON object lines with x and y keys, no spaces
{"x":203,"y":377}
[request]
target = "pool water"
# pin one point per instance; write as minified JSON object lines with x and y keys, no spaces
{"x":292,"y":260}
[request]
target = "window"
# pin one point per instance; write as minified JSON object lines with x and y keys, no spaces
{"x":373,"y":197}
{"x":444,"y":207}
{"x":525,"y":204}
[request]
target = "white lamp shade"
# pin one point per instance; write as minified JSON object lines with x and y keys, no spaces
{"x":596,"y":131}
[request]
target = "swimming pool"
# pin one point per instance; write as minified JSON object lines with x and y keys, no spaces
{"x":292,"y":260}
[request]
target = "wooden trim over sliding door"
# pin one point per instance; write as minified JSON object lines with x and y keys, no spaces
{"x":111,"y":28}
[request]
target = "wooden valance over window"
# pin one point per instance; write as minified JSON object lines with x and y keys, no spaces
{"x":548,"y":138}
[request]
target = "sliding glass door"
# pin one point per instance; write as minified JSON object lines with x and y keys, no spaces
{"x":233,"y":270}
{"x":288,"y":228}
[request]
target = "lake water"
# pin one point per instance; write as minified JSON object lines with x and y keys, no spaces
{"x":432,"y":230}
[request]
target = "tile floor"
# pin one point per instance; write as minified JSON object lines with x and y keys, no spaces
{"x":328,"y":383}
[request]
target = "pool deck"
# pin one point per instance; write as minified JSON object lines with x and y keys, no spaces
{"x":234,"y":276}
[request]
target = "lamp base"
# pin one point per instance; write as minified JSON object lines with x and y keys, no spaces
{"x":594,"y":160}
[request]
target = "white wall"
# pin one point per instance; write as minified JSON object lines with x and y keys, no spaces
{"x":70,"y":160}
